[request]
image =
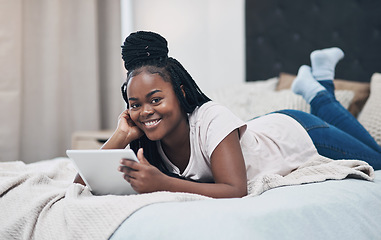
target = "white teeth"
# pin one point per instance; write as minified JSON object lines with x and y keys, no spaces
{"x":151,"y":123}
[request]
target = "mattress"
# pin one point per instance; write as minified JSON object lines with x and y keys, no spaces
{"x":337,"y":209}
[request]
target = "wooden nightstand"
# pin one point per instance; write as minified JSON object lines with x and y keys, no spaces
{"x":90,"y":139}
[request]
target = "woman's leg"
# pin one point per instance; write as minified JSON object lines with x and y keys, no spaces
{"x":323,"y":64}
{"x":334,"y":143}
{"x":320,"y":95}
{"x":326,"y":107}
{"x":309,"y":81}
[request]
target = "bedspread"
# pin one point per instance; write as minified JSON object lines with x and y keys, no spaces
{"x":39,"y":200}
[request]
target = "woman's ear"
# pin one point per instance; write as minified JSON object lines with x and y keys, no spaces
{"x":182,"y":89}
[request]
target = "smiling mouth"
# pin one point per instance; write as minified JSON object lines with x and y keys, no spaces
{"x":151,"y":123}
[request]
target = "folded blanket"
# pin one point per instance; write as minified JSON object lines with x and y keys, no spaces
{"x":317,"y":169}
{"x":39,"y":200}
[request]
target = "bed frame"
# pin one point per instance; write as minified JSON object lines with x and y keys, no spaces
{"x":277,"y":39}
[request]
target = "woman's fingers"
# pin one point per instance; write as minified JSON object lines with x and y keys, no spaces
{"x":129,"y":163}
{"x":124,"y":115}
{"x":128,"y":173}
{"x":128,"y":178}
{"x":141,"y":157}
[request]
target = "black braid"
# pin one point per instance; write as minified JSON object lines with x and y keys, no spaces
{"x":140,"y":47}
{"x":136,"y":60}
{"x":180,"y":77}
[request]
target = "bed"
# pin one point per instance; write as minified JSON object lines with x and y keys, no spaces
{"x":321,"y":200}
{"x":332,"y":209}
{"x":324,"y":199}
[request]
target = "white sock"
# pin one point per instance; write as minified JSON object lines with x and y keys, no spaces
{"x":305,"y":84}
{"x":323,"y":62}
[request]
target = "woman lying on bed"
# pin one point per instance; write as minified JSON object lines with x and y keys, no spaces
{"x":179,"y":134}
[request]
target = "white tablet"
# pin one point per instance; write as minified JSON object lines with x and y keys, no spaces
{"x":99,"y":170}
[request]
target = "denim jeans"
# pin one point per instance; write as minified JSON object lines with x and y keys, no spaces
{"x":335,"y":132}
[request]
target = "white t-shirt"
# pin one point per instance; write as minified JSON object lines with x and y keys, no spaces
{"x":274,"y":143}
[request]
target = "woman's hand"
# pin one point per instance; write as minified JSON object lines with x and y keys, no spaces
{"x":125,"y":133}
{"x":142,"y":176}
{"x":127,"y":126}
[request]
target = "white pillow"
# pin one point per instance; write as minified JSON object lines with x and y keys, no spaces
{"x":370,"y":116}
{"x":253,"y":99}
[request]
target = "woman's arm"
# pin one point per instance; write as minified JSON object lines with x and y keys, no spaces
{"x":228,"y":168}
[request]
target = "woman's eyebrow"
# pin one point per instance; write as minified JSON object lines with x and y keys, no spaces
{"x":147,"y":96}
{"x":152,"y":93}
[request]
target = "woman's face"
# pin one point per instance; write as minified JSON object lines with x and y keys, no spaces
{"x":154,"y":106}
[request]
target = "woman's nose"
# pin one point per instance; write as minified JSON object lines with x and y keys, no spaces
{"x":147,"y":110}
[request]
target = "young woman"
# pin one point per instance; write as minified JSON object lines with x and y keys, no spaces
{"x":187,"y":143}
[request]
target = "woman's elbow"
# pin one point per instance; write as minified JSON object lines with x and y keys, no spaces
{"x":79,"y":180}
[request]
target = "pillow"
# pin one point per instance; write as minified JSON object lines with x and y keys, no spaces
{"x":254,"y":99}
{"x":370,"y":116}
{"x":360,"y":89}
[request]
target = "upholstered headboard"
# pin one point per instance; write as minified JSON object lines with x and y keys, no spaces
{"x":280,"y":34}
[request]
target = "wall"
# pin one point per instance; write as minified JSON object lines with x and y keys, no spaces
{"x":206,"y":36}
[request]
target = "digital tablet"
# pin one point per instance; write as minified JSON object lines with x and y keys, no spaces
{"x":99,"y":170}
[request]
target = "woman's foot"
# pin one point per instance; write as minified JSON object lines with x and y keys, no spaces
{"x":305,"y":84}
{"x":323,"y":62}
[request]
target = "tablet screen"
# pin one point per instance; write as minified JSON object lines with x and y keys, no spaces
{"x":99,"y":170}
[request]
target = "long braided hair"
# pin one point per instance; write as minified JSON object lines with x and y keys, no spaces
{"x":149,"y":50}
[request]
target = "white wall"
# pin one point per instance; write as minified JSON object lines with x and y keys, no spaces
{"x":206,"y":36}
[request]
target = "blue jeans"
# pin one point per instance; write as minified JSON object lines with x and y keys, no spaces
{"x":335,"y":132}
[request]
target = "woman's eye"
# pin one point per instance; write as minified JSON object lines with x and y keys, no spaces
{"x":134,"y":105}
{"x":155,"y":100}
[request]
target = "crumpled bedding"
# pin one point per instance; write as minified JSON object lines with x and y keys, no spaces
{"x":39,"y":200}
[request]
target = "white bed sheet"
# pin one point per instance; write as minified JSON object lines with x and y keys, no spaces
{"x":344,"y":209}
